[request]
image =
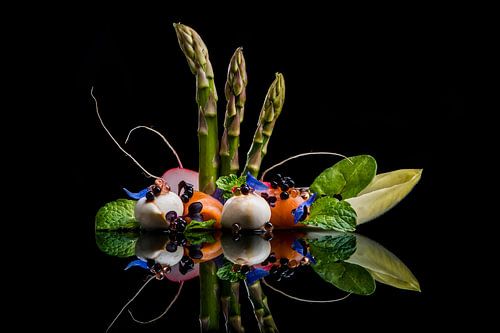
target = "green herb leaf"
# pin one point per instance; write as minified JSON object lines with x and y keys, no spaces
{"x":347,"y":177}
{"x":337,"y":248}
{"x":332,"y":214}
{"x":226,"y":183}
{"x":196,"y":238}
{"x":226,"y":273}
{"x":199,"y":225}
{"x":345,"y":276}
{"x":115,"y":243}
{"x":116,"y":215}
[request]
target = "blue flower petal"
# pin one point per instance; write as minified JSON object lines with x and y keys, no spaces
{"x":137,"y":263}
{"x":255,"y":183}
{"x":299,"y":211}
{"x":311,"y":258}
{"x":297,"y":246}
{"x":137,"y":195}
{"x":256,"y":274}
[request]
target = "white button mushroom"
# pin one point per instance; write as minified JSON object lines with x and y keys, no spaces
{"x":248,"y":250}
{"x":151,"y":214}
{"x":249,"y":211}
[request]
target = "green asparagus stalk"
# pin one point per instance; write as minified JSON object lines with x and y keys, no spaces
{"x":261,"y":308}
{"x":230,"y":299}
{"x":270,"y":112}
{"x":235,"y":91}
{"x":209,"y":297}
{"x":196,"y":54}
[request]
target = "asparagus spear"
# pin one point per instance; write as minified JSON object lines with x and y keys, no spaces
{"x":270,"y":112}
{"x":209,"y":304}
{"x":230,"y":299}
{"x":261,"y":308}
{"x":235,"y":91}
{"x":196,"y":54}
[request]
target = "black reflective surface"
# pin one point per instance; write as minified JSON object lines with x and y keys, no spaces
{"x":391,"y":90}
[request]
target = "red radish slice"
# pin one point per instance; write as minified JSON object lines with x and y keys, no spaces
{"x":174,"y":176}
{"x":176,"y":276}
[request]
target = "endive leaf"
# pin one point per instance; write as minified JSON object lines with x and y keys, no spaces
{"x":383,"y":193}
{"x":383,"y":265}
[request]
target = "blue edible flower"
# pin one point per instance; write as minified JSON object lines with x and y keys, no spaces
{"x":137,"y":195}
{"x":255,"y":183}
{"x":256,"y":274}
{"x":299,"y":211}
{"x":137,"y":263}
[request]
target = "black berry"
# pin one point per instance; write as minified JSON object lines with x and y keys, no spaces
{"x":184,"y":198}
{"x":171,"y":247}
{"x":171,"y":216}
{"x":284,"y":195}
{"x":274,"y":184}
{"x":245,"y":189}
{"x":156,"y":190}
{"x":195,"y":207}
{"x":150,"y":196}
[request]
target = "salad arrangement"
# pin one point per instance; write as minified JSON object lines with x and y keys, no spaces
{"x":180,"y":210}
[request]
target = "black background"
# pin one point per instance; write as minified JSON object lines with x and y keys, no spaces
{"x":387,"y":85}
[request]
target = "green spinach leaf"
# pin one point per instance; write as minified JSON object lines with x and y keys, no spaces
{"x":226,"y":184}
{"x":116,"y":215}
{"x":332,"y":214}
{"x":347,"y":177}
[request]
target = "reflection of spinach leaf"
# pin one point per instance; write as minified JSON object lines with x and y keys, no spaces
{"x":118,"y":244}
{"x":345,"y":276}
{"x":116,"y":215}
{"x":200,"y":225}
{"x":347,"y":177}
{"x":331,"y":214}
{"x":196,"y":238}
{"x":336,"y":248}
{"x":329,"y":252}
{"x":226,"y":273}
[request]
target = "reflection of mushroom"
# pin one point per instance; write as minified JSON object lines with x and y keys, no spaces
{"x":151,"y":214}
{"x":175,"y":274}
{"x":250,"y":211}
{"x":152,"y":246}
{"x":248,"y":250}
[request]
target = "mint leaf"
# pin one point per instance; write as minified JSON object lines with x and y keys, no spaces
{"x":115,"y":243}
{"x":197,"y":238}
{"x":226,"y":184}
{"x":347,"y":177}
{"x":226,"y":273}
{"x":337,"y":248}
{"x":199,"y":225}
{"x":345,"y":276}
{"x":116,"y":215}
{"x":332,"y":214}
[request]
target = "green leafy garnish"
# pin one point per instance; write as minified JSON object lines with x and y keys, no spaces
{"x":226,"y":184}
{"x":116,"y":215}
{"x":347,"y":177}
{"x":200,"y":237}
{"x":115,"y":243}
{"x":345,"y":276}
{"x":226,"y":273}
{"x":337,"y":248}
{"x":331,"y":214}
{"x":199,"y":225}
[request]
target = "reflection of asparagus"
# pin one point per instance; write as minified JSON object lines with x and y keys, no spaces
{"x":230,"y":299}
{"x":271,"y":110}
{"x":261,"y":308}
{"x":235,"y":91}
{"x":196,"y":54}
{"x":209,"y":297}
